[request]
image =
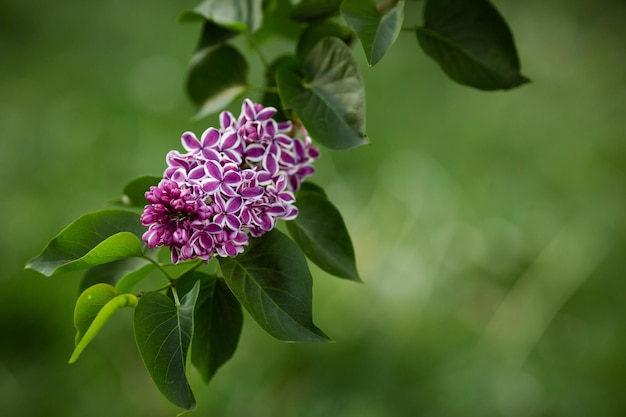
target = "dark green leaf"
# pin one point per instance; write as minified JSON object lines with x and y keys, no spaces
{"x":94,"y":308}
{"x":217,"y":76}
{"x":376,"y":29}
{"x":272,"y":281}
{"x":131,"y":279}
{"x":163,"y":330}
{"x":311,"y":10}
{"x":322,"y":235}
{"x":134,"y":192}
{"x":93,"y":239}
{"x":330,"y":98}
{"x":315,"y":32}
{"x":238,"y":15}
{"x":311,"y":187}
{"x":472,"y":43}
{"x":110,"y":273}
{"x":214,"y":34}
{"x":270,"y":98}
{"x":217,"y":323}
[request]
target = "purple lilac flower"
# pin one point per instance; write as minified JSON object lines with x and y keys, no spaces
{"x":231,"y":183}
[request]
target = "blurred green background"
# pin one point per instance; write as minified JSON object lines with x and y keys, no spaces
{"x":489,"y":227}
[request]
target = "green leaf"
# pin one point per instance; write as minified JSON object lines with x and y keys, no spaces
{"x":163,"y":331}
{"x":330,"y":97}
{"x":472,"y":44}
{"x":377,"y":30}
{"x":94,"y":308}
{"x":311,"y":10}
{"x":218,"y":321}
{"x":213,"y":34}
{"x":276,"y":22}
{"x":270,"y":98}
{"x":134,"y":192}
{"x":272,"y":281}
{"x":93,"y":239}
{"x":131,"y":279}
{"x":238,"y":15}
{"x":322,"y":235}
{"x":315,"y":32}
{"x":111,"y":272}
{"x":217,"y":76}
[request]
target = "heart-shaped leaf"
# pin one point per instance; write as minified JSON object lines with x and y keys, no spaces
{"x":112,"y":272}
{"x":271,"y":279}
{"x":317,"y":31}
{"x":163,"y":331}
{"x":472,"y":43}
{"x":330,"y":97}
{"x":322,"y":235}
{"x":218,"y":320}
{"x":238,"y":15}
{"x":94,"y":308}
{"x":376,"y":29}
{"x":217,"y":76}
{"x":93,"y":239}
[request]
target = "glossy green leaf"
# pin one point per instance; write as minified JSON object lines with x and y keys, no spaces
{"x":329,"y":98}
{"x":238,"y":15}
{"x":128,"y":281}
{"x":134,"y":192}
{"x":163,"y":331}
{"x":93,"y":239}
{"x":311,"y":10}
{"x":317,"y":31}
{"x":472,"y":44}
{"x":111,"y":272}
{"x":322,"y":235}
{"x":217,"y":76}
{"x":376,"y":29}
{"x":271,"y":279}
{"x":218,"y":320}
{"x":94,"y":308}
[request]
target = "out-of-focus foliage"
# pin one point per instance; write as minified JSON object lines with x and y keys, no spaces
{"x":489,"y":229}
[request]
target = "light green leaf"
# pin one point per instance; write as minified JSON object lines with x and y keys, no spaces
{"x":277,"y":23}
{"x":238,"y":15}
{"x":330,"y":98}
{"x":322,"y":235}
{"x":163,"y":331}
{"x":217,"y":76}
{"x":271,"y":279}
{"x":472,"y":43}
{"x":93,"y":239}
{"x":94,"y":308}
{"x":376,"y":29}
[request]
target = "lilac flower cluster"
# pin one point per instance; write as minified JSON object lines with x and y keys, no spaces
{"x":230,"y":183}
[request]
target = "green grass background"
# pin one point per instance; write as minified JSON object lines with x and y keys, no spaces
{"x":489,"y":227}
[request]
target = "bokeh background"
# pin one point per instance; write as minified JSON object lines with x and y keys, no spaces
{"x":489,"y":227}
